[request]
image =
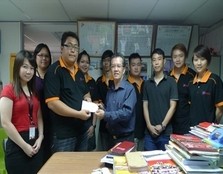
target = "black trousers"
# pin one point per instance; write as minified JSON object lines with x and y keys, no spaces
{"x":17,"y":162}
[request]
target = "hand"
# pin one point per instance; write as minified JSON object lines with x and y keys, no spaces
{"x":101,"y":106}
{"x":100,"y":114}
{"x":38,"y":143}
{"x":90,"y":131}
{"x":159,"y":128}
{"x":29,"y":150}
{"x":153,"y":131}
{"x":84,"y":114}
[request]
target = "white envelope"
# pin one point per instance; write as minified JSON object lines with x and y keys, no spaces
{"x":90,"y":106}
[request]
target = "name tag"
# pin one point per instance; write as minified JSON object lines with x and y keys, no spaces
{"x":32,"y":132}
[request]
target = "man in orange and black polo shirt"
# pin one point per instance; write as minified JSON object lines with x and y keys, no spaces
{"x":65,"y":88}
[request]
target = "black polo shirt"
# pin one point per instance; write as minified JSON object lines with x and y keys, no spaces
{"x":60,"y":84}
{"x":181,"y":118}
{"x":205,"y":95}
{"x":159,"y":97}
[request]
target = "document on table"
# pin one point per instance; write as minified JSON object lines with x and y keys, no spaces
{"x":90,"y":106}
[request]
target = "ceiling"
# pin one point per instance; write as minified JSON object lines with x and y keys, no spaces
{"x":45,"y":20}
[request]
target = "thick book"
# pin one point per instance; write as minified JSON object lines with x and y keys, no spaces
{"x":121,"y":166}
{"x":122,"y":147}
{"x":192,"y":162}
{"x":193,"y":144}
{"x":136,"y":162}
{"x":187,"y":155}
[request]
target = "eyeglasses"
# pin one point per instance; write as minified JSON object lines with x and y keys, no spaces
{"x":70,"y":47}
{"x":118,"y":66}
{"x":43,"y":55}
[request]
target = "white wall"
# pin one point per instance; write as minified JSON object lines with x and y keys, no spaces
{"x":214,"y":39}
{"x":11,"y":42}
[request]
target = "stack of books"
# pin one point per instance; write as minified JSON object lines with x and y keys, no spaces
{"x":193,"y":155}
{"x":204,"y":129}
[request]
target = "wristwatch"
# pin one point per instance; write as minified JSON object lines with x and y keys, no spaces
{"x":163,"y":127}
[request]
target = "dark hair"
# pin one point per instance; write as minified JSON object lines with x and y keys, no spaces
{"x":202,"y":51}
{"x":81,"y":54}
{"x":38,"y":48}
{"x":119,"y":55}
{"x":133,"y":56}
{"x":69,"y":34}
{"x":19,"y":60}
{"x":180,"y":47}
{"x":158,"y":51}
{"x":106,"y":53}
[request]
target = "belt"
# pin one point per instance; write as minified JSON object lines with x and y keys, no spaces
{"x":122,"y":135}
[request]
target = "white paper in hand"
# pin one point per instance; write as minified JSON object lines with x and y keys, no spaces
{"x":90,"y":106}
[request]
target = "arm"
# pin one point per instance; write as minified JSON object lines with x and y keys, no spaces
{"x":170,"y":112}
{"x":62,"y":109}
{"x":149,"y":126}
{"x":87,"y":97}
{"x":39,"y":140}
{"x":13,"y":134}
{"x":168,"y":116}
{"x":218,"y":113}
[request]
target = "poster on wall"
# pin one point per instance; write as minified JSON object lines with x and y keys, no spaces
{"x":169,"y":35}
{"x":134,"y":38}
{"x":96,"y":36}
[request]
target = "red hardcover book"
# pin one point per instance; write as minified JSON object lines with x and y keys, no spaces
{"x":193,"y":144}
{"x":122,"y":147}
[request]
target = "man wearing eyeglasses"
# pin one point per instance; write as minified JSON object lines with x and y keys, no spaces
{"x":65,"y":88}
{"x":119,"y":112}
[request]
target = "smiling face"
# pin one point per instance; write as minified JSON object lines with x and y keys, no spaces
{"x":69,"y":51}
{"x":178,"y":58}
{"x":43,"y":59}
{"x":158,"y":62}
{"x":200,"y":64}
{"x":84,"y":64}
{"x":117,"y":68}
{"x":26,"y":72}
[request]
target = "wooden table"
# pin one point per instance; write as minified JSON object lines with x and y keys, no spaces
{"x":72,"y":163}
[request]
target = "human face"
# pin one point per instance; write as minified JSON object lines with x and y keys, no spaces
{"x":200,"y":64}
{"x":84,"y":64}
{"x":26,"y":72}
{"x":43,"y":59}
{"x":178,"y":58}
{"x":158,"y":62}
{"x":70,"y":51}
{"x":135,"y":67}
{"x":117,"y":68}
{"x":106,"y":64}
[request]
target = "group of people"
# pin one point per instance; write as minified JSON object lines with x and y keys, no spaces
{"x":41,"y":109}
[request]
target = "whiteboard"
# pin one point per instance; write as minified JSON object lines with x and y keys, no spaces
{"x":169,"y":35}
{"x":134,"y":38}
{"x":96,"y":36}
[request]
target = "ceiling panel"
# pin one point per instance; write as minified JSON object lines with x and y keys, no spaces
{"x":9,"y":12}
{"x":172,"y":11}
{"x":42,"y":10}
{"x":130,"y":9}
{"x":86,"y":9}
{"x":208,"y":14}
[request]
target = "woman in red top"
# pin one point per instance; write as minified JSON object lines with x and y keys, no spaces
{"x":21,"y":118}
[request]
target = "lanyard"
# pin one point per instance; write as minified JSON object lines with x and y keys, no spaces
{"x":30,"y":104}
